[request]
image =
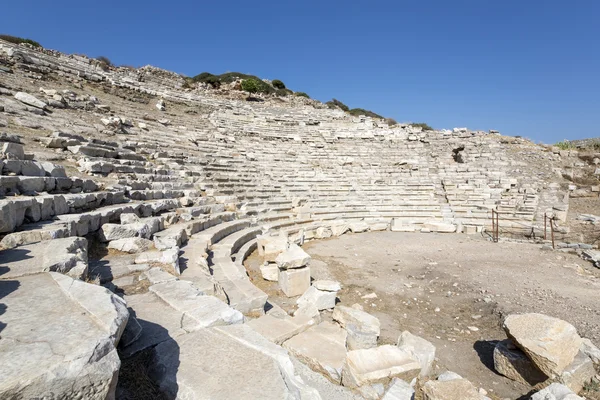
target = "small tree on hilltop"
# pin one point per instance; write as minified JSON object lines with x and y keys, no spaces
{"x":250,"y":85}
{"x":277,"y":84}
{"x":105,"y":60}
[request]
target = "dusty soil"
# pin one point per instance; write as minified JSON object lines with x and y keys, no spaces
{"x":453,"y":290}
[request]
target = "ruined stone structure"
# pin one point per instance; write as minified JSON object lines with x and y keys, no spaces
{"x":128,"y":206}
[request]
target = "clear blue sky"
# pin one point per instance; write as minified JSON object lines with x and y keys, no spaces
{"x":527,"y":67}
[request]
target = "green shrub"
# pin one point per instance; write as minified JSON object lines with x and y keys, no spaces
{"x":565,"y":145}
{"x":283,"y":92}
{"x":421,"y":125}
{"x":391,"y":121}
{"x":104,"y":60}
{"x":361,"y":111}
{"x":250,"y":85}
{"x":301,"y":94}
{"x":333,"y":103}
{"x":277,"y":84}
{"x":18,"y":40}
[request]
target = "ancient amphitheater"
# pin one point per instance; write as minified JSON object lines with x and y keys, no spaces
{"x":167,"y":242}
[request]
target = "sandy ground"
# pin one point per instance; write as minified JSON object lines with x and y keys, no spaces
{"x":453,"y":290}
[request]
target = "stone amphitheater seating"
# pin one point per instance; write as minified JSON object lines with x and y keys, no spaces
{"x":240,"y":173}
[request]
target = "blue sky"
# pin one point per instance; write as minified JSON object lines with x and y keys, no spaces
{"x":527,"y":67}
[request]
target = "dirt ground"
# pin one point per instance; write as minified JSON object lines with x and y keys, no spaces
{"x":453,"y":290}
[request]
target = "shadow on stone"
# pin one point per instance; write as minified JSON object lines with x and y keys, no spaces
{"x":137,"y":380}
{"x":6,"y":288}
{"x":485,"y":351}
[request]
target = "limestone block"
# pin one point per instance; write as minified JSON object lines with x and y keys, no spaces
{"x":59,"y":336}
{"x":131,"y":245}
{"x":270,"y":272}
{"x":192,"y":367}
{"x":399,"y":390}
{"x":339,"y":229}
{"x":555,"y":391}
{"x":363,"y":328}
{"x":455,"y":389}
{"x":199,"y":311}
{"x":420,"y":349}
{"x":321,"y":299}
{"x":378,"y":364}
{"x":294,"y":282}
{"x":13,"y":151}
{"x":51,"y":169}
{"x":441,"y":227}
{"x":514,"y":364}
{"x":590,"y":350}
{"x":358,"y":227}
{"x":323,"y":232}
{"x":156,"y":275}
{"x":328,"y":286}
{"x":30,"y":100}
{"x":293,"y":257}
{"x":399,"y":226}
{"x":67,"y":256}
{"x":278,"y":330}
{"x":322,"y":348}
{"x":578,"y":373}
{"x":271,"y":246}
{"x":550,"y":343}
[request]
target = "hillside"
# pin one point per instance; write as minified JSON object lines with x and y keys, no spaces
{"x":155,"y":229}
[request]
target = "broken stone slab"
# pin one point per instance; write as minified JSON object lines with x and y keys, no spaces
{"x":420,"y":349}
{"x":578,"y":373}
{"x":590,"y":350}
{"x":67,"y":256}
{"x":30,"y":100}
{"x":363,"y":328}
{"x":514,"y":364}
{"x":328,"y":286}
{"x":555,"y":391}
{"x":168,"y":257}
{"x":131,"y":245}
{"x":322,"y":348}
{"x":278,"y":330}
{"x":455,"y":389}
{"x":399,"y":390}
{"x":378,"y":364}
{"x":156,"y":275}
{"x":322,"y":300}
{"x":293,"y":257}
{"x":294,"y":282}
{"x":145,"y":228}
{"x":440,"y":227}
{"x":271,"y":246}
{"x":550,"y":343}
{"x":270,"y":272}
{"x":192,"y":366}
{"x":12,"y":151}
{"x":358,"y":227}
{"x":399,"y":226}
{"x":199,"y":310}
{"x":59,"y":336}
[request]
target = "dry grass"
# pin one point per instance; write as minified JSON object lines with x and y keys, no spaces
{"x":134,"y":383}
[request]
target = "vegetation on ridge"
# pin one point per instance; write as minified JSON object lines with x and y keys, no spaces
{"x":19,"y":40}
{"x":421,"y":125}
{"x":565,"y":145}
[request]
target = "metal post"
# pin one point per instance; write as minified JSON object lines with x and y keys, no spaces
{"x":552,"y":231}
{"x":497,"y":227}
